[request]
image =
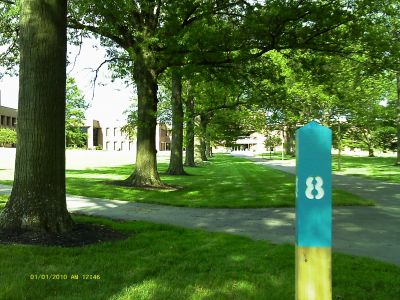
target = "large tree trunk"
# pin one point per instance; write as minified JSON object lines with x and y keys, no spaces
{"x":398,"y":117}
{"x":203,"y":137}
{"x":176,"y":158}
{"x":208,"y":147}
{"x":145,"y":173}
{"x":367,"y":139}
{"x":189,"y":159}
{"x":371,"y":152}
{"x":203,"y":149}
{"x":289,"y":140}
{"x":37,"y":199}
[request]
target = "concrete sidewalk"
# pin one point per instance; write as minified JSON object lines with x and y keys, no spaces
{"x":363,"y":231}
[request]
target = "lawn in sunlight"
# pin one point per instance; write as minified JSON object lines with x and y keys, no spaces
{"x":379,"y":168}
{"x":224,"y":181}
{"x":166,"y":262}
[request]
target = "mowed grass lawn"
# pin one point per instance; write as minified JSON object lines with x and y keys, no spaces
{"x":3,"y":200}
{"x":165,"y":262}
{"x":379,"y":168}
{"x":225,"y":181}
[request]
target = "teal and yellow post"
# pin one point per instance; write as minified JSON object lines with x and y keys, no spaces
{"x":313,"y":212}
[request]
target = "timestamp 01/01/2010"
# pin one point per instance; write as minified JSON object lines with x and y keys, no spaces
{"x":64,"y":276}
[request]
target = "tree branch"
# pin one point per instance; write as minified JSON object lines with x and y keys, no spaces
{"x":157,"y":15}
{"x":97,"y":70}
{"x":222,"y":106}
{"x":76,"y":57}
{"x":188,"y":18}
{"x":97,"y":30}
{"x":9,"y":49}
{"x":7,"y":2}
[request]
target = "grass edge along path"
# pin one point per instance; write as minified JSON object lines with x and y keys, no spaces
{"x":167,"y":262}
{"x":376,"y":168}
{"x":223,"y":182}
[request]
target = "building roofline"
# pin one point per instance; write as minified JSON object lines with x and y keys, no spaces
{"x":2,"y":106}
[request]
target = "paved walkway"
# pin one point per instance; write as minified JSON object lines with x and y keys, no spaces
{"x":385,"y":194}
{"x":364,"y":231}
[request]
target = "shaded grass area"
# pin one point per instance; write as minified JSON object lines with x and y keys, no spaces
{"x":165,"y":262}
{"x":225,"y":181}
{"x":379,"y":168}
{"x":3,"y":200}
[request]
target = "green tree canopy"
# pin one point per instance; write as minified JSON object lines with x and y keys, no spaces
{"x":75,"y":115}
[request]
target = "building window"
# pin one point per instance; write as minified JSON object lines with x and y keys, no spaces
{"x":122,"y":146}
{"x":115,"y":131}
{"x":115,"y":146}
{"x":14,"y":122}
{"x":165,"y":146}
{"x":107,"y":145}
{"x":2,"y":120}
{"x":95,"y":137}
{"x":107,"y":131}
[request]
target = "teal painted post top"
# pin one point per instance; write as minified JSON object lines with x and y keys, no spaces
{"x":313,"y":186}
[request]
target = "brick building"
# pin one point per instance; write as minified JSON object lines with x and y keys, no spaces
{"x":107,"y":135}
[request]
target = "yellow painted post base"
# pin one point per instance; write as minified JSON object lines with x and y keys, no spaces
{"x":313,"y":273}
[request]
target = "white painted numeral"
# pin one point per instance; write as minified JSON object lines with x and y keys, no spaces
{"x":311,"y":187}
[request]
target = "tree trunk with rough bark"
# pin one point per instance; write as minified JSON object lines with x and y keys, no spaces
{"x":145,"y":173}
{"x":203,"y":150}
{"x":176,"y":159}
{"x":371,"y":152}
{"x":398,"y":118}
{"x":203,"y":137}
{"x":37,"y":200}
{"x":289,"y":141}
{"x":208,"y":147}
{"x":367,"y":139}
{"x":189,"y":159}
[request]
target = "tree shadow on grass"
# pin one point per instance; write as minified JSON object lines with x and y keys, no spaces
{"x":82,"y":234}
{"x":157,"y":262}
{"x":125,"y":184}
{"x":227,"y":182}
{"x":165,"y":262}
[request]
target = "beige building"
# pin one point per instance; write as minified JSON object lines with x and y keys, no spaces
{"x":101,"y":134}
{"x":8,"y":117}
{"x":107,"y":135}
{"x":255,"y":143}
{"x":163,"y":137}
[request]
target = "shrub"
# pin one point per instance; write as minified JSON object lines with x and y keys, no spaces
{"x":8,"y":137}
